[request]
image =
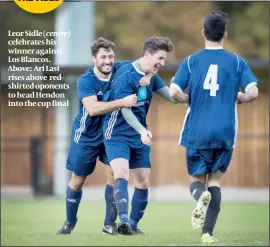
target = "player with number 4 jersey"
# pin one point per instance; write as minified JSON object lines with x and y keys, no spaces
{"x":212,"y":78}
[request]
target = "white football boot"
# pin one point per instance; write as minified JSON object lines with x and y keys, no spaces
{"x":199,"y":212}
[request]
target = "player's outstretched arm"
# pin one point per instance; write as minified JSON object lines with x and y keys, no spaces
{"x":131,"y":119}
{"x":180,"y":82}
{"x":177,"y":94}
{"x":162,"y":90}
{"x":251,"y":94}
{"x":95,"y":107}
{"x":164,"y":93}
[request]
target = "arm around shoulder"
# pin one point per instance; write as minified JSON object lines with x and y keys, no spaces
{"x":95,"y":107}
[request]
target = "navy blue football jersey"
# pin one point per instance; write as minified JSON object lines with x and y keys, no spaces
{"x":88,"y":129}
{"x":126,"y":82}
{"x":212,"y":78}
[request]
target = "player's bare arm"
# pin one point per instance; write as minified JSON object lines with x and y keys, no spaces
{"x":177,"y":94}
{"x":131,"y":119}
{"x":251,"y":94}
{"x":95,"y":107}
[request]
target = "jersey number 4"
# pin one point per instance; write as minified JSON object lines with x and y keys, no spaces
{"x":210,"y":82}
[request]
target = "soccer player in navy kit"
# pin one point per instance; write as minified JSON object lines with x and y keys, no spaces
{"x":212,"y":77}
{"x":93,"y":89}
{"x":126,"y":137}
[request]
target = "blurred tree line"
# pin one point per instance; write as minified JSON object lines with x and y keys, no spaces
{"x":128,"y":24}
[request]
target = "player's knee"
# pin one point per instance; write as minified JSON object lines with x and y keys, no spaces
{"x":121,"y":173}
{"x":142,"y":184}
{"x":76,"y":182}
{"x":110,"y":177}
{"x":120,"y":168}
{"x":213,"y":183}
{"x":214,"y":179}
{"x":141,"y":178}
{"x":110,"y":181}
{"x":198,"y":178}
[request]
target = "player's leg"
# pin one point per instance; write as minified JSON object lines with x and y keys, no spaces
{"x":109,"y":226}
{"x":197,"y":185}
{"x":73,"y":199}
{"x":118,"y":155}
{"x":203,"y":198}
{"x":120,"y":168}
{"x":140,"y":168}
{"x":213,"y":209}
{"x":82,"y":162}
{"x":197,"y":169}
{"x":221,"y":161}
{"x":140,"y":197}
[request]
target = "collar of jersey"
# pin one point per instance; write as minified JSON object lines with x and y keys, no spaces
{"x":214,"y":48}
{"x":102,"y":78}
{"x":140,"y":72}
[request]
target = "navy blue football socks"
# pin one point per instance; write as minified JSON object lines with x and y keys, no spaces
{"x":196,"y":189}
{"x":73,"y":199}
{"x":213,"y":210}
{"x":121,"y":198}
{"x":139,"y":204}
{"x":111,"y":211}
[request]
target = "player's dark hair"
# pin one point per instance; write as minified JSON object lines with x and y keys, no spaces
{"x":154,"y":44}
{"x":101,"y":43}
{"x":215,"y":26}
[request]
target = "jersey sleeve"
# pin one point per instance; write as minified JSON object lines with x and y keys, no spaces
{"x":118,"y":65}
{"x":180,"y":80}
{"x":85,"y":86}
{"x":158,"y":83}
{"x":246,"y":76}
{"x":123,"y":86}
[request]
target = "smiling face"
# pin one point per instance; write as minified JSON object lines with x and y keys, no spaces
{"x":154,"y":53}
{"x":155,"y":61}
{"x":104,"y":60}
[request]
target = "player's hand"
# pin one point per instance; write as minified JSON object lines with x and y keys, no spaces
{"x":239,"y":95}
{"x":186,"y":104}
{"x":146,"y":137}
{"x":130,"y":100}
{"x":145,"y":81}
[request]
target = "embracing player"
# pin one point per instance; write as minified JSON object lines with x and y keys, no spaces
{"x":126,"y":136}
{"x":93,"y":89}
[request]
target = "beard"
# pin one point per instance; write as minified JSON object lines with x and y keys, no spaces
{"x":101,"y":70}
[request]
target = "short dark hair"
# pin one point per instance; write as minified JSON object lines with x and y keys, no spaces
{"x":215,"y":25}
{"x":101,"y":43}
{"x":154,"y":44}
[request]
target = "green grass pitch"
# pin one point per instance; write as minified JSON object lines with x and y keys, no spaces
{"x":35,"y":222}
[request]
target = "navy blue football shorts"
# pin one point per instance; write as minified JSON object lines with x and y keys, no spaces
{"x":206,"y":161}
{"x":131,"y":149}
{"x":82,"y":159}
